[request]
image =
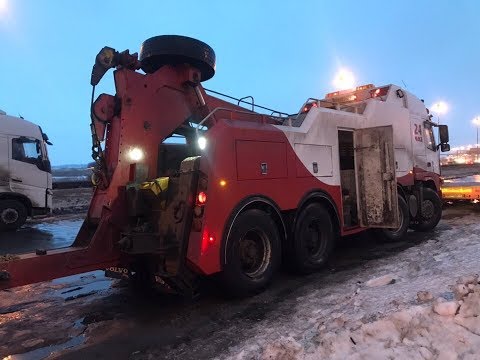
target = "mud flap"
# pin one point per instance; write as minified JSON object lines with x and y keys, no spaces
{"x":375,"y":174}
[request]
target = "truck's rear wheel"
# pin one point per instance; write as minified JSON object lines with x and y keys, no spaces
{"x":399,"y":233}
{"x":431,"y":211}
{"x":13,"y":214}
{"x":174,"y":49}
{"x":253,"y":253}
{"x":313,"y":238}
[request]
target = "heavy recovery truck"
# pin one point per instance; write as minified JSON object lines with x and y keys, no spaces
{"x":188,"y":184}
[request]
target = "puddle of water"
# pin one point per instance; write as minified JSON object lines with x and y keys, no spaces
{"x":79,"y":278}
{"x":63,"y":232}
{"x":44,"y":352}
{"x":84,"y":290}
{"x":45,"y":235}
{"x":82,"y":285}
{"x":78,"y":324}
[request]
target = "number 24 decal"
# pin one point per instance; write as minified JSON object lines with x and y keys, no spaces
{"x":418,"y":132}
{"x":418,"y":129}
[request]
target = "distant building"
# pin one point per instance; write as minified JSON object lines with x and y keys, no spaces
{"x":462,"y":155}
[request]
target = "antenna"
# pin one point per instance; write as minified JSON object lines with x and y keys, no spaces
{"x":403,"y":82}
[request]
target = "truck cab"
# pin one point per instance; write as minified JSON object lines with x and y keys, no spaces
{"x":25,"y":172}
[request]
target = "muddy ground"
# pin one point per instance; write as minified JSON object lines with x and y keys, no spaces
{"x":71,"y":201}
{"x":89,"y":316}
{"x":360,"y":307}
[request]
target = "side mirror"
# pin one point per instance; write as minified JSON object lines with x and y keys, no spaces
{"x":443,"y":132}
{"x":445,"y":147}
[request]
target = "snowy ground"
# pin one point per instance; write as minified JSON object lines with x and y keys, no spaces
{"x":387,"y":313}
{"x":365,"y":305}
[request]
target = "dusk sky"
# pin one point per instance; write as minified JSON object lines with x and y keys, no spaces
{"x":280,"y":52}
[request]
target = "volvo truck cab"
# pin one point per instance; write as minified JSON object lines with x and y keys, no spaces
{"x":25,"y":172}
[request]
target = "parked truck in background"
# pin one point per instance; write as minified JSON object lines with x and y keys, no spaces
{"x":239,"y":192}
{"x":25,"y":172}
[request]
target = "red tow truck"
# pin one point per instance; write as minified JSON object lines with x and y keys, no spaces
{"x":190,"y":184}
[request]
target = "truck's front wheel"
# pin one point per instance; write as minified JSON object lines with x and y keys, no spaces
{"x":431,"y":211}
{"x":13,"y":214}
{"x":253,"y":253}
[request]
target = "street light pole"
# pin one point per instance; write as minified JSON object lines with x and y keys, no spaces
{"x":476,"y":123}
{"x":439,"y":108}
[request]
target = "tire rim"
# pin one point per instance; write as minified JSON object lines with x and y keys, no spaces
{"x":315,"y":243}
{"x":9,"y":216}
{"x":428,"y":209}
{"x":255,"y":253}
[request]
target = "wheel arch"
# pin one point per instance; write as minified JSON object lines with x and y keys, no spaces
{"x":324,"y":198}
{"x":429,"y":183}
{"x":253,"y":202}
{"x":19,"y":197}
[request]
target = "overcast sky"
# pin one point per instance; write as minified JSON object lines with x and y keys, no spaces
{"x":281,"y":52}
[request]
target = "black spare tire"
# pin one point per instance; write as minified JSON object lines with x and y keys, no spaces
{"x":175,"y":49}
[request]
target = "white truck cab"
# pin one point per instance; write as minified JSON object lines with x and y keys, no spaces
{"x":25,"y":172}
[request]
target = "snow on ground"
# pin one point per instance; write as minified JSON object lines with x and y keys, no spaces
{"x":394,"y":318}
{"x":374,"y":301}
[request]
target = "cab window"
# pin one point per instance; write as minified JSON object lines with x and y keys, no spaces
{"x":26,"y":150}
{"x":429,"y":137}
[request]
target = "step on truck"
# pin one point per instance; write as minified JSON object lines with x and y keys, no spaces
{"x":189,"y":183}
{"x":25,"y":172}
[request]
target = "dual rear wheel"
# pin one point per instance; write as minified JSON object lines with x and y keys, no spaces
{"x":254,"y":248}
{"x":254,"y":244}
{"x":430,"y":215}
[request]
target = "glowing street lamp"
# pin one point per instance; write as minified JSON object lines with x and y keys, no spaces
{"x":3,"y":6}
{"x":439,"y":108}
{"x":476,"y":123}
{"x":344,"y":79}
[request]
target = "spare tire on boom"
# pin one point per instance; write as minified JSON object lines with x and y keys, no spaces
{"x":175,"y":49}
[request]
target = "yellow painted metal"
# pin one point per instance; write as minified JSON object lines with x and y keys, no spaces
{"x":157,"y":186}
{"x":461,"y":193}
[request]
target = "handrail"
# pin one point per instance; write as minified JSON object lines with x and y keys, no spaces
{"x":246,"y":102}
{"x":305,"y":104}
{"x":263,"y":116}
{"x":246,"y":97}
{"x":337,"y":105}
{"x":235,"y":111}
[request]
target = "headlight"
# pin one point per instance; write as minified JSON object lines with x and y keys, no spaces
{"x":135,"y":154}
{"x":202,"y":143}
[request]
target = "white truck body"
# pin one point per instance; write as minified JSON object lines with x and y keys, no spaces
{"x":327,"y":139}
{"x":25,"y":172}
{"x":407,"y":115}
